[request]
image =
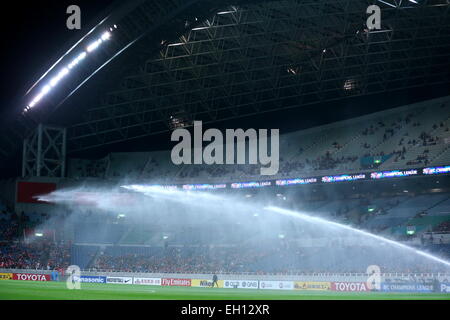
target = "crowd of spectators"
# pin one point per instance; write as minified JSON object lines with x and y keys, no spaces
{"x":48,"y":255}
{"x":274,"y":260}
{"x":14,"y":225}
{"x":9,"y":231}
{"x":175,"y":260}
{"x":18,"y":252}
{"x":328,"y":160}
{"x":40,"y":255}
{"x":9,"y":224}
{"x":58,"y":255}
{"x":20,"y":255}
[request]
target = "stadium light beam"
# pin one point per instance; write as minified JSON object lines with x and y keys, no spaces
{"x":106,"y":36}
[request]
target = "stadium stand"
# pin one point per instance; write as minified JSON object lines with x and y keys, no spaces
{"x":98,"y":233}
{"x":406,"y":137}
{"x":9,"y":226}
{"x":83,"y":255}
{"x":104,"y":245}
{"x":34,"y":255}
{"x":282,"y":260}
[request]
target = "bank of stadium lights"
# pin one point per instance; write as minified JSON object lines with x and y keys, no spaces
{"x":39,"y":234}
{"x":66,"y":70}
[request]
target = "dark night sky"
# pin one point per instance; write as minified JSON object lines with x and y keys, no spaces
{"x":33,"y":33}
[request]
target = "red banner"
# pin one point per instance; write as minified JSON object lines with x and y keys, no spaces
{"x":349,"y":286}
{"x":28,"y":191}
{"x":176,"y":282}
{"x":31,"y":277}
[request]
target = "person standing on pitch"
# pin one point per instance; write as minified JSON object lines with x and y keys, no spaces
{"x":215,"y":281}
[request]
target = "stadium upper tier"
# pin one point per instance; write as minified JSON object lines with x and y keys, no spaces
{"x":412,"y":136}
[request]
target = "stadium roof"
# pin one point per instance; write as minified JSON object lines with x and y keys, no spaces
{"x":169,"y":62}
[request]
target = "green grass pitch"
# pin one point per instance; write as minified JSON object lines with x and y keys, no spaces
{"x":25,"y":290}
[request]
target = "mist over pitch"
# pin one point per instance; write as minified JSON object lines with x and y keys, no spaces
{"x":303,"y":239}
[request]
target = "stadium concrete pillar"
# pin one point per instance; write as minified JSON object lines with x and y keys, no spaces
{"x":44,"y":153}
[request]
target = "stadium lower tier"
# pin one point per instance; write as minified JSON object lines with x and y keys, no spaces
{"x":286,"y":259}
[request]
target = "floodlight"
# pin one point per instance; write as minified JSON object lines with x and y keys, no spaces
{"x":94,"y":45}
{"x":106,"y":36}
{"x":63,"y":72}
{"x":54,"y":81}
{"x":82,"y":55}
{"x":46,"y":89}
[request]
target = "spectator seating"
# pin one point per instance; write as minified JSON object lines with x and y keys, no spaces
{"x":410,"y":136}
